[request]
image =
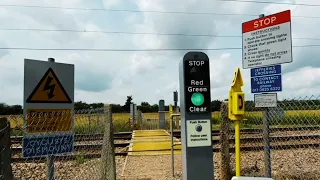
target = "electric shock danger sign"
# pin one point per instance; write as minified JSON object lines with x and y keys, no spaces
{"x":48,"y":108}
{"x":49,"y":90}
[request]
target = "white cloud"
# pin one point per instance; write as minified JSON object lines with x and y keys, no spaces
{"x":148,"y":76}
{"x":110,"y":3}
{"x":304,"y":78}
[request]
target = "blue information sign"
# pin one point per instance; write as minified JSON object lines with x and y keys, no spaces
{"x":264,"y":71}
{"x":266,"y":84}
{"x":50,"y":145}
{"x":266,"y":79}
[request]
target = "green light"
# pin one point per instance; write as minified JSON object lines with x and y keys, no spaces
{"x":197,"y":99}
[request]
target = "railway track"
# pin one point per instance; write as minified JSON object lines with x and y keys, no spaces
{"x":312,"y":142}
{"x":300,"y":128}
{"x":98,"y":146}
{"x":84,"y":137}
{"x":177,"y":134}
{"x":98,"y":155}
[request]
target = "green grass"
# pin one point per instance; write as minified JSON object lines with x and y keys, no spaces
{"x":85,"y":124}
{"x":80,"y":159}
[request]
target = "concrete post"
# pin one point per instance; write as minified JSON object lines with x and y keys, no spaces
{"x":139,"y":119}
{"x":162,"y":115}
{"x":225,"y":168}
{"x":133,"y":113}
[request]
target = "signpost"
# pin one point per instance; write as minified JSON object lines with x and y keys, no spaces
{"x":48,"y":110}
{"x":196,"y":126}
{"x":267,"y":41}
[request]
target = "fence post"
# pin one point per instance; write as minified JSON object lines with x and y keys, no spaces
{"x":162,"y":115}
{"x":267,"y":160}
{"x":108,"y":170}
{"x":139,"y":119}
{"x":224,"y":142}
{"x":50,"y":158}
{"x":133,"y":113}
{"x":5,"y":151}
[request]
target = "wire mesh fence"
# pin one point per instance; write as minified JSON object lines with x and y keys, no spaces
{"x":293,"y":131}
{"x":49,"y":138}
{"x":281,"y":141}
{"x":150,"y":121}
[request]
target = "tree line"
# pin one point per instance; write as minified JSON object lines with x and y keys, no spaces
{"x":143,"y":106}
{"x":152,"y":108}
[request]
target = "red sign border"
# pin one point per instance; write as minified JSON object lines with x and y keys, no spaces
{"x":285,"y":16}
{"x":269,"y":26}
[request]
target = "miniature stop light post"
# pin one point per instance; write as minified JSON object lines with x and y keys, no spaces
{"x":196,"y":120}
{"x":236,"y":105}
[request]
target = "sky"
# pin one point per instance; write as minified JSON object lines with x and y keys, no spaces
{"x":110,"y":76}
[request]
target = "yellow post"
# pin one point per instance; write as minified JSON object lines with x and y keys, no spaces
{"x":170,"y":112}
{"x":237,"y":139}
{"x":236,"y":112}
{"x":170,"y":109}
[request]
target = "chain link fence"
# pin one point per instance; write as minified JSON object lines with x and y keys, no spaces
{"x":90,"y":156}
{"x":285,"y":138}
{"x":282,"y":141}
{"x":151,"y":121}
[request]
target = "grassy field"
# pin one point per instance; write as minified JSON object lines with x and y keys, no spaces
{"x":252,"y":119}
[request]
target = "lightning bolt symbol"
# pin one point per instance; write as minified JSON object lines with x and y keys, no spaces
{"x":47,"y":86}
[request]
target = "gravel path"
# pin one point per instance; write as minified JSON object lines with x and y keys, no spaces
{"x":301,"y":164}
{"x":72,"y":170}
{"x":296,"y":164}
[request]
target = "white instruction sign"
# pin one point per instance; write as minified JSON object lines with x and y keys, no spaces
{"x":267,"y":41}
{"x":199,"y":133}
{"x":250,"y":178}
{"x":265,"y":100}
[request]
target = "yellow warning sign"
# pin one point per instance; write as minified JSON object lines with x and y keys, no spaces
{"x":48,"y":120}
{"x":49,"y":90}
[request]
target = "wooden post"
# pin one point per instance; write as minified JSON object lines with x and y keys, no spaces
{"x":224,"y":142}
{"x":108,"y":170}
{"x":5,"y":152}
